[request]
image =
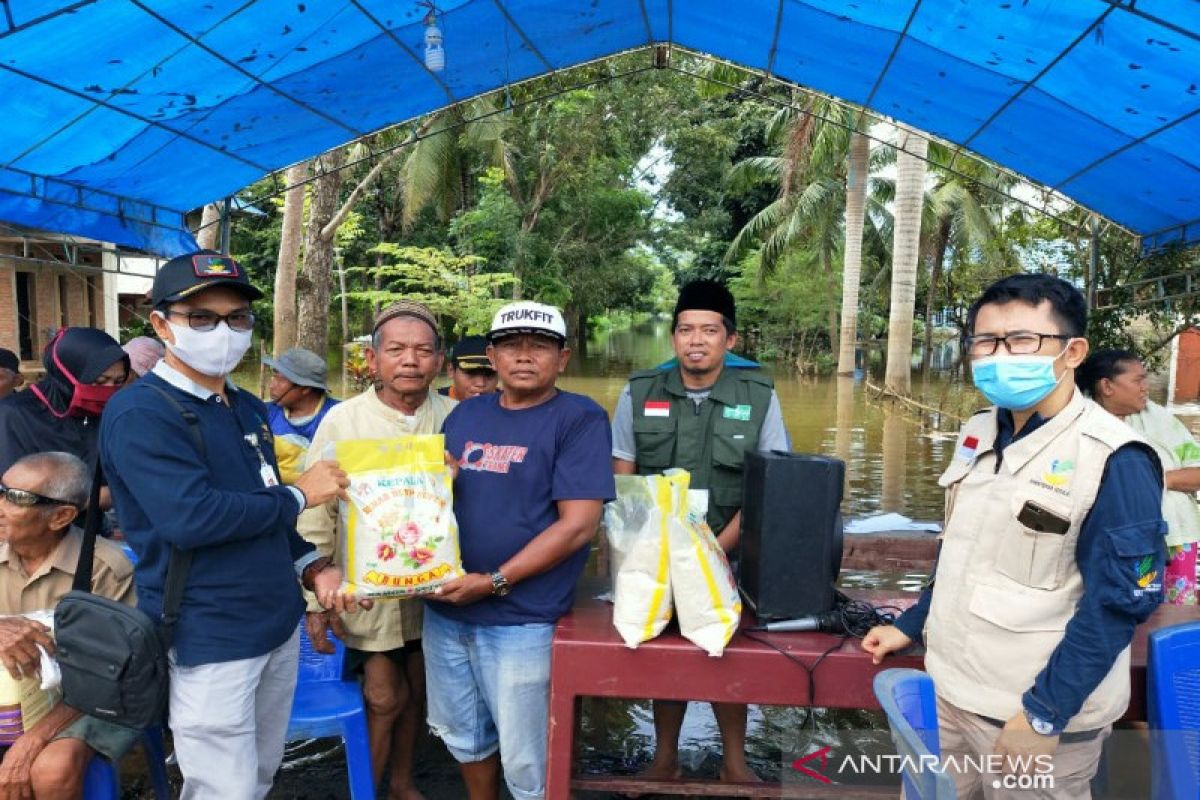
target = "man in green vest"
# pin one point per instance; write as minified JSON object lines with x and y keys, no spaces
{"x":703,"y":416}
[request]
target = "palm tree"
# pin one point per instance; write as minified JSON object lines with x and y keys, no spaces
{"x":907,"y":215}
{"x":811,"y":172}
{"x":856,"y":196}
{"x":967,"y":205}
{"x":439,"y":171}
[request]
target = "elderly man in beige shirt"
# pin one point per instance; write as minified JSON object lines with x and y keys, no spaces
{"x":384,"y":643}
{"x":40,"y":496}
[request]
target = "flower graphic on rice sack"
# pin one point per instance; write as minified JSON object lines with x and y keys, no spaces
{"x":409,"y":534}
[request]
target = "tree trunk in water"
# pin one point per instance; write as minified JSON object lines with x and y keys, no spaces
{"x":576,"y":329}
{"x":910,"y":192}
{"x":935,"y":277}
{"x":209,"y":235}
{"x":831,"y":316}
{"x":312,"y":287}
{"x":895,"y":458}
{"x":844,"y":431}
{"x":289,"y":255}
{"x":856,"y":198}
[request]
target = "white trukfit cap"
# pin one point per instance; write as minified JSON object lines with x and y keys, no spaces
{"x":528,"y":317}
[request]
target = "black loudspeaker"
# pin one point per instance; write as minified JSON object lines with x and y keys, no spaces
{"x":790,"y":549}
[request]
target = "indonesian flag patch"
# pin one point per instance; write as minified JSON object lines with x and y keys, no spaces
{"x":657,"y":408}
{"x":966,"y":450}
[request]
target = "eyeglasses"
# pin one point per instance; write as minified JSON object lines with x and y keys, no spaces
{"x":27,"y":499}
{"x":1017,"y":344}
{"x":208,"y":320}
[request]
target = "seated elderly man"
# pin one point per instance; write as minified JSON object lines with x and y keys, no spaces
{"x":40,"y":496}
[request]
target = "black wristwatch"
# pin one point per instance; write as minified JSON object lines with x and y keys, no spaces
{"x":500,"y":584}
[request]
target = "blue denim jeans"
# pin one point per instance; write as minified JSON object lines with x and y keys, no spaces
{"x":489,"y":688}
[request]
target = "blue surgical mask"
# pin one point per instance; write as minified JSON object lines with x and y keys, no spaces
{"x":1015,"y":382}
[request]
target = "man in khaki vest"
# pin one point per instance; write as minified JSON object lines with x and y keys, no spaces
{"x":1052,"y":553}
{"x":384,"y":643}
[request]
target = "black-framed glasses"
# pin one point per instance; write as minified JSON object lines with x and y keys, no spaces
{"x":1018,"y":344}
{"x":208,"y":320}
{"x":27,"y":499}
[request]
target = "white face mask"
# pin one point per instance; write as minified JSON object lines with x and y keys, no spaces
{"x":214,"y":353}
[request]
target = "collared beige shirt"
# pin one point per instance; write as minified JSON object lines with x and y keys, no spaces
{"x":21,"y":592}
{"x":391,"y":622}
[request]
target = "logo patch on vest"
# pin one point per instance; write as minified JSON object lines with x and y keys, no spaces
{"x":1060,"y":472}
{"x":657,"y":408}
{"x":966,"y":450}
{"x":741,"y":412}
{"x":1057,"y":479}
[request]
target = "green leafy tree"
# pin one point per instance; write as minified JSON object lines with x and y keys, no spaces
{"x":464,"y":299}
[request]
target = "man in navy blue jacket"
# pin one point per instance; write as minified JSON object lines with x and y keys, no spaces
{"x":234,"y":660}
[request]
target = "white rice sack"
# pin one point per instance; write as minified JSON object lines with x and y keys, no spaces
{"x":636,"y":523}
{"x":705,"y":592}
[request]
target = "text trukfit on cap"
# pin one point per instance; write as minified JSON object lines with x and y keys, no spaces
{"x":526,"y":314}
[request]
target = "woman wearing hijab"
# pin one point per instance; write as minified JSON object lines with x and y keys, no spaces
{"x":1116,"y":379}
{"x":84,"y":367}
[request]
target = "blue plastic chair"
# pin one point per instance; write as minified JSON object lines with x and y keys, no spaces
{"x":102,"y":781}
{"x":908,"y":700}
{"x":1173,"y":695}
{"x":325,"y":705}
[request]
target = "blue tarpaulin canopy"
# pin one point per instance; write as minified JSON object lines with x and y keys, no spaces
{"x":121,"y":115}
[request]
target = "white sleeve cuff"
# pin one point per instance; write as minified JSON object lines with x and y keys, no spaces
{"x":301,"y":500}
{"x":303,"y":561}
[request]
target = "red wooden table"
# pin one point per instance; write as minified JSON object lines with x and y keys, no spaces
{"x":589,"y":659}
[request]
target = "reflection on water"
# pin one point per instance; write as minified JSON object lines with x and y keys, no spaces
{"x":617,"y":737}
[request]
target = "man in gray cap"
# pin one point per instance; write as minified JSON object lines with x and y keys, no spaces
{"x":299,"y":401}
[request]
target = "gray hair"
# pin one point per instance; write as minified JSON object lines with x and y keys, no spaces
{"x":65,"y":476}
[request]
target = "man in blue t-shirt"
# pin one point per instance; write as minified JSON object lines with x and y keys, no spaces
{"x":533,"y":475}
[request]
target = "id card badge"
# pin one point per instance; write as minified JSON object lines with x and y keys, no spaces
{"x":268,"y":475}
{"x":265,"y":470}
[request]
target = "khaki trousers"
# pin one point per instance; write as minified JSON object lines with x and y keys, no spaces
{"x":967,"y":739}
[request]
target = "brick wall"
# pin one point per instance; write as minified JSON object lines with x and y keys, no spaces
{"x":8,"y":307}
{"x":47,"y":300}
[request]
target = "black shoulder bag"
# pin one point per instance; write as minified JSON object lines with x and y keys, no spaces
{"x":113,"y":657}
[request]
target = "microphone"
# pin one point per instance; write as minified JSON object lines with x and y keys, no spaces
{"x":801,"y":624}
